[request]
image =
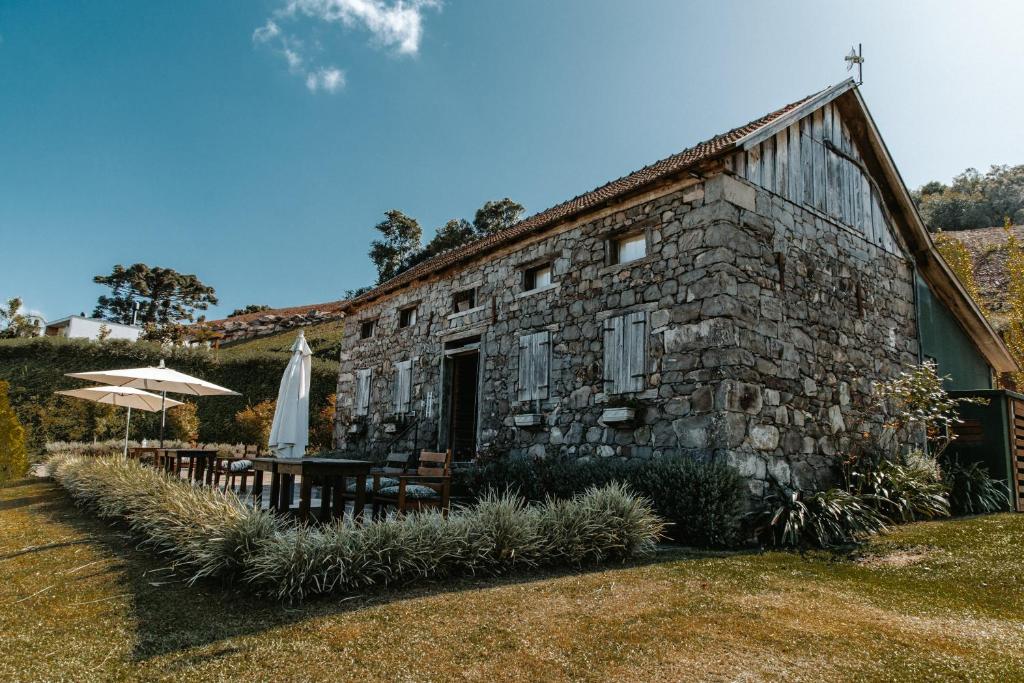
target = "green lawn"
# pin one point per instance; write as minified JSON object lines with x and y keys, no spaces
{"x":934,"y":601}
{"x":323,"y":338}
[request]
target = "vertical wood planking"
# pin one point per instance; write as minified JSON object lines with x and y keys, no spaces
{"x":782,"y":162}
{"x":525,"y":371}
{"x":768,"y":164}
{"x":794,"y":186}
{"x":807,"y":161}
{"x":612,"y":351}
{"x":635,"y":351}
{"x":818,"y":163}
{"x":754,"y":165}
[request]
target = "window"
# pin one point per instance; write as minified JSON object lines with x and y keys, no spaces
{"x":407,"y":317}
{"x":403,"y":386}
{"x":464,"y":300}
{"x":363,"y":378}
{"x":628,"y":248}
{"x":534,"y":366}
{"x":535,"y":278}
{"x":366,"y":328}
{"x":625,"y":353}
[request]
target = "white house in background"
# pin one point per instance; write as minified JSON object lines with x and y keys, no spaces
{"x":80,"y":327}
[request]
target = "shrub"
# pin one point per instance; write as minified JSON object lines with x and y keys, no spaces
{"x":13,"y":456}
{"x":254,"y":423}
{"x":701,"y":500}
{"x":971,"y":489}
{"x":824,"y":519}
{"x":903,"y":491}
{"x":183,"y":422}
{"x":209,"y":533}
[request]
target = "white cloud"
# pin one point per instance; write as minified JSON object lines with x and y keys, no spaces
{"x":267,"y":32}
{"x":393,"y":24}
{"x":397,"y":25}
{"x":329,"y":79}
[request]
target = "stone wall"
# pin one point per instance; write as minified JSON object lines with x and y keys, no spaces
{"x":766,"y":325}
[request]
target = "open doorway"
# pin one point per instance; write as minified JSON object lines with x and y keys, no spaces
{"x":462,"y":366}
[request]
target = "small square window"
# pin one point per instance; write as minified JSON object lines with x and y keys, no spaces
{"x":535,"y":278}
{"x":464,"y":300}
{"x":366,"y":329}
{"x":407,"y":317}
{"x":628,"y":248}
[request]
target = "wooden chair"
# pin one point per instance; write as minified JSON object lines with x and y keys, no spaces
{"x":385,"y":475}
{"x":222,"y":468}
{"x":429,"y":487}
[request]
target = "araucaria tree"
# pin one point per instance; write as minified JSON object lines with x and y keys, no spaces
{"x":401,"y":240}
{"x":164,"y":296}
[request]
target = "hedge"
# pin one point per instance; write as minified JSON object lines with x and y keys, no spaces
{"x":35,"y":368}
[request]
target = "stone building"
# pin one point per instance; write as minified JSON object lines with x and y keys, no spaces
{"x":735,"y":300}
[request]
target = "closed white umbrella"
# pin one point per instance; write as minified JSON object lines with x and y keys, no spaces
{"x":289,"y":432}
{"x":124,"y":397}
{"x":160,"y":378}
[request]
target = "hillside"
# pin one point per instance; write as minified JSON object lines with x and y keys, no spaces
{"x":988,"y":253}
{"x":323,"y":338}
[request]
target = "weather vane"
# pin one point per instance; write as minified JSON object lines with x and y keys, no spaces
{"x":856,"y":57}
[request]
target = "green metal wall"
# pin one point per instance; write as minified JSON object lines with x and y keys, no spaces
{"x":943,"y":339}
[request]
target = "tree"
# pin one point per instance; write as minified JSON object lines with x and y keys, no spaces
{"x":164,"y":296}
{"x":14,"y":324}
{"x":254,"y":423}
{"x":495,"y":216}
{"x":321,"y":432}
{"x":251,"y":308}
{"x":452,"y":234}
{"x":183,"y":422}
{"x":974,"y":199}
{"x":13,"y":454}
{"x":402,"y":236}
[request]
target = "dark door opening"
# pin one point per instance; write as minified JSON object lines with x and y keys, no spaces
{"x":462,"y":405}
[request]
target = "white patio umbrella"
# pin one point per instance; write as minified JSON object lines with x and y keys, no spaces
{"x":160,"y":378}
{"x":124,"y":397}
{"x":289,"y":432}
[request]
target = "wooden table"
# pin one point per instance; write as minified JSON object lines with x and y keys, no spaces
{"x":328,"y":473}
{"x":200,"y":462}
{"x":139,"y":452}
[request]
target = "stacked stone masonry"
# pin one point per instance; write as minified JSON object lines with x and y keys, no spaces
{"x":766,"y":325}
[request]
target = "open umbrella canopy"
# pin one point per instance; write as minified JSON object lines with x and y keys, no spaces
{"x":289,"y":432}
{"x":156,"y":379}
{"x":124,"y":397}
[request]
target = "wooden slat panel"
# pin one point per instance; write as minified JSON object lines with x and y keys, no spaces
{"x":807,"y":161}
{"x":635,"y":351}
{"x":768,"y":164}
{"x":794,"y":185}
{"x":782,"y":162}
{"x":754,"y":165}
{"x":363,"y":383}
{"x":818,"y":156}
{"x":612,"y":353}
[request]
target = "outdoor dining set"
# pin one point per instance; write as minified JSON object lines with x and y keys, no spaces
{"x":401,"y":482}
{"x":397,"y":483}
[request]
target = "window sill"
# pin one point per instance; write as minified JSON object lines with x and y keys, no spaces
{"x":539,"y":290}
{"x":468,"y":311}
{"x":617,"y":267}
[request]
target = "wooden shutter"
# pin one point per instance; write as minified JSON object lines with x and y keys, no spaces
{"x":403,"y":386}
{"x":634,"y":351}
{"x":534,"y":365}
{"x":613,"y":354}
{"x":363,"y":391}
{"x":625,"y":352}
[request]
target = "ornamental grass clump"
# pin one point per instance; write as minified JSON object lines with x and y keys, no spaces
{"x":209,"y":533}
{"x":205,"y":531}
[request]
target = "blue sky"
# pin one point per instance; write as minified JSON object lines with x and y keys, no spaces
{"x":256,"y":144}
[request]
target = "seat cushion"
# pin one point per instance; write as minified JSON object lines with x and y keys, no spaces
{"x":350,"y":487}
{"x":411,"y":491}
{"x":240,"y":465}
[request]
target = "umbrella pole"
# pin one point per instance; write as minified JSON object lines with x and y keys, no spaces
{"x":127,"y":426}
{"x":163,"y":415}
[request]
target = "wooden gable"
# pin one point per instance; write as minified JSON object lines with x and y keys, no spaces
{"x":814,"y":161}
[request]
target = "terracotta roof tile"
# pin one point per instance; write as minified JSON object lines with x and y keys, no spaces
{"x":590,"y":200}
